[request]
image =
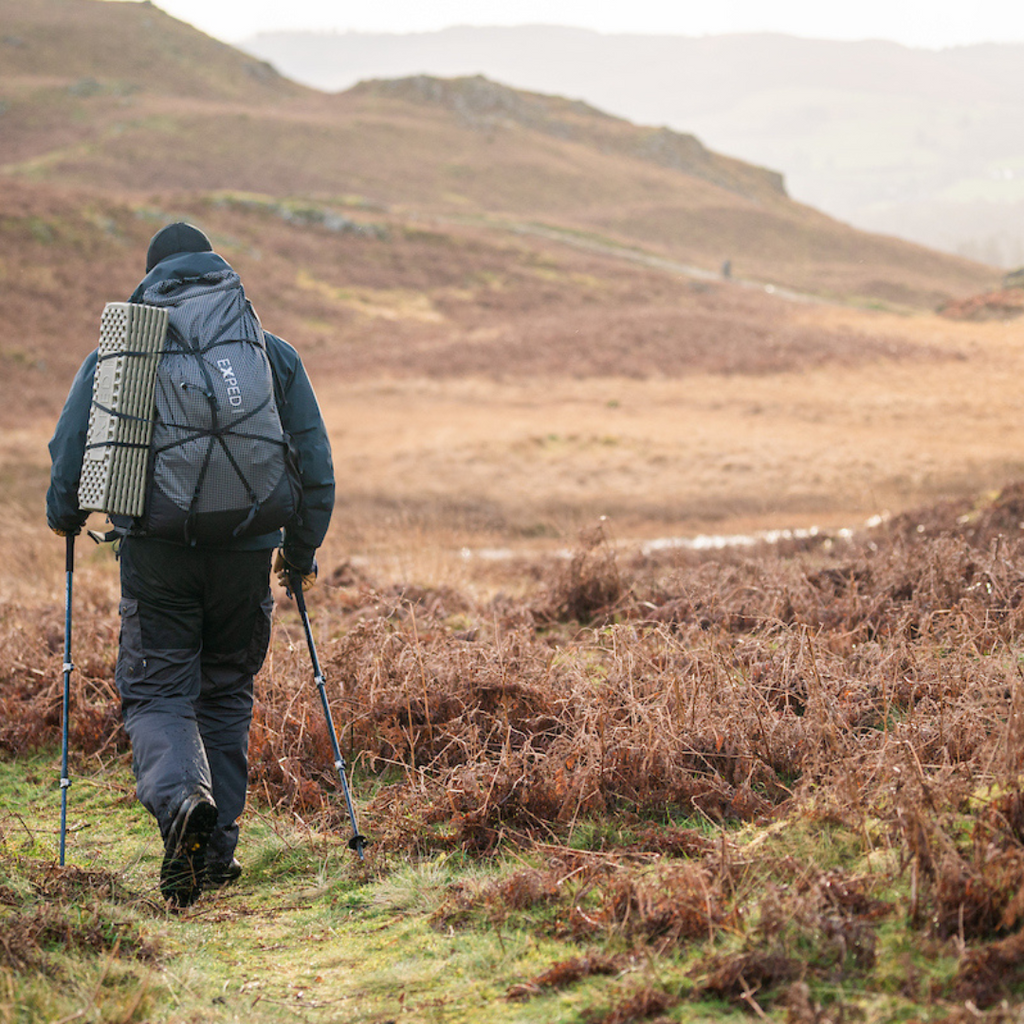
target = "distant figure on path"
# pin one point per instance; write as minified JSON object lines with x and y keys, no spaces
{"x":727,"y":270}
{"x":196,"y":609}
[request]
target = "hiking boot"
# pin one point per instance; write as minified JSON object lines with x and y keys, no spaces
{"x":222,"y":873}
{"x":184,"y":867}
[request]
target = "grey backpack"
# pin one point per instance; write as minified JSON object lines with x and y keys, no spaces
{"x":221,"y":465}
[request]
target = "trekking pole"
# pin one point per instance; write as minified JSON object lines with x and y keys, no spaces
{"x":65,"y":781}
{"x":357,"y":842}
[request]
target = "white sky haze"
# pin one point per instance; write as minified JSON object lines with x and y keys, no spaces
{"x":935,"y":25}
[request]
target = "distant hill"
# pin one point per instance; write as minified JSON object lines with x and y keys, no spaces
{"x":122,"y":98}
{"x":927,"y":145}
{"x":455,"y":216}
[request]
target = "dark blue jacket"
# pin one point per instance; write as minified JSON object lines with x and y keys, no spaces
{"x":297,"y":406}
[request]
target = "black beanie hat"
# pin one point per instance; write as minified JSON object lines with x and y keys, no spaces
{"x":175,"y":238}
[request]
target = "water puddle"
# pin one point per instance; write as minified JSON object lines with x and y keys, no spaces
{"x":700,"y":542}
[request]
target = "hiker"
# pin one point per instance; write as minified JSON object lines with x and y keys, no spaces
{"x":195,"y":612}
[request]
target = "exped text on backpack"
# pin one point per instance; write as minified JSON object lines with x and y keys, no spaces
{"x":221,"y":465}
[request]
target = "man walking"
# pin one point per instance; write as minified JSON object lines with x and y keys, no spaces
{"x":196,"y":607}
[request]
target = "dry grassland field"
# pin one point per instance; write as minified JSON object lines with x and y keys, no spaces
{"x":473,"y":430}
{"x":832,"y":445}
{"x":504,"y":388}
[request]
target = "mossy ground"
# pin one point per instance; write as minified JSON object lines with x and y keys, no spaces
{"x":310,"y":933}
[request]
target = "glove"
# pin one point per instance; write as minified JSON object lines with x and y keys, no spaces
{"x":61,"y":532}
{"x":286,"y":573}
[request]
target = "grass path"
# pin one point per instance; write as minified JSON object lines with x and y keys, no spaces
{"x":308,"y":934}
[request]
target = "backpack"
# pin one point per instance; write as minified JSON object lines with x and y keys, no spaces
{"x":221,"y":465}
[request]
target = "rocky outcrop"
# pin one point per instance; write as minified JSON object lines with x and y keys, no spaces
{"x":483,"y":105}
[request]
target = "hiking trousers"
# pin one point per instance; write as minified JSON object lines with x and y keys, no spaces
{"x":195,"y":627}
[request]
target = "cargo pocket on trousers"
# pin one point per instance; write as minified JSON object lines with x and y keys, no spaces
{"x":131,"y":659}
{"x":256,"y":652}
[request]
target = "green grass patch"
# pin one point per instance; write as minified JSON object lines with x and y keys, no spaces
{"x":805,"y":918}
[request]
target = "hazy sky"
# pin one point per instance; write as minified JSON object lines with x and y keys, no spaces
{"x":925,"y":23}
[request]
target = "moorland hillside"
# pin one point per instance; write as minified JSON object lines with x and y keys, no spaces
{"x":124,"y":100}
{"x":501,"y":247}
{"x":123,"y":49}
{"x":921,"y":143}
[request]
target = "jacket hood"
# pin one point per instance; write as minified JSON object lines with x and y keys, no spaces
{"x":182,"y":268}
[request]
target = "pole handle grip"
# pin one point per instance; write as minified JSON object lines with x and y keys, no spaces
{"x":69,"y":553}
